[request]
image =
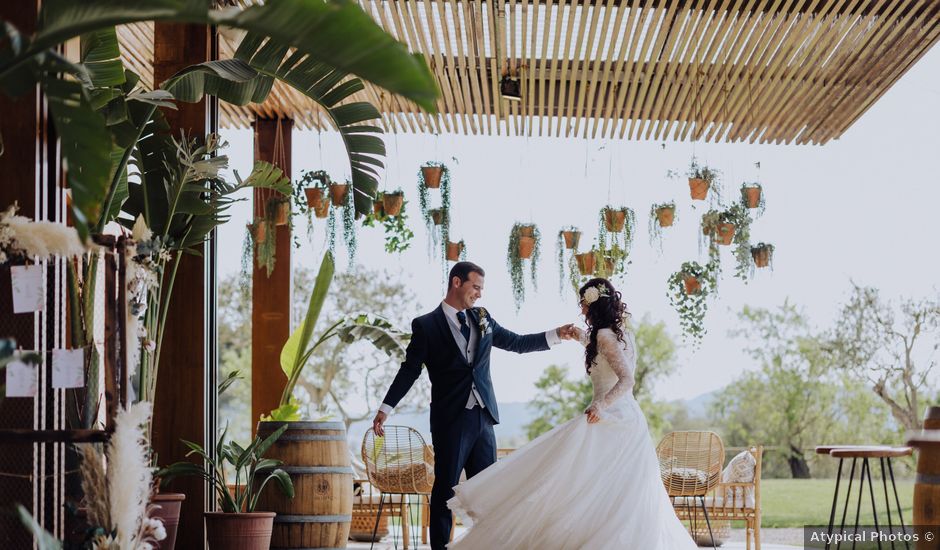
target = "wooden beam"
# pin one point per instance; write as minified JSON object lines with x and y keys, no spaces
{"x":180,"y":407}
{"x":270,"y":294}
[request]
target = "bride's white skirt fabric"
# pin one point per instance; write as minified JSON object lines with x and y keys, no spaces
{"x":579,"y":486}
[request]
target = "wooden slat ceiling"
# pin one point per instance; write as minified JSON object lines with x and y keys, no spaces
{"x":769,"y":71}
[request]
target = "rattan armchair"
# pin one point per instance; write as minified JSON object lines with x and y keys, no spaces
{"x":690,"y":466}
{"x":399,"y":464}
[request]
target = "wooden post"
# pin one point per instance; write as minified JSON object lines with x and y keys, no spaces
{"x":270,"y":295}
{"x":180,"y":407}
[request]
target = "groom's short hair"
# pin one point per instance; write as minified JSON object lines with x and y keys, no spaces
{"x":463,"y":270}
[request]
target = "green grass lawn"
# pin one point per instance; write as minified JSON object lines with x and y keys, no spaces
{"x":799,"y":502}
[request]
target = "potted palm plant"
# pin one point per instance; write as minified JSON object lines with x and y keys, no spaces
{"x":703,"y":179}
{"x":752,"y":197}
{"x":689,"y":290}
{"x":238,"y":526}
{"x":524,"y":241}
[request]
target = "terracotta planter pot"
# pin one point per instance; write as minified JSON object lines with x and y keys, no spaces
{"x":692,"y":284}
{"x":393,"y":203}
{"x":698,"y":188}
{"x":260,"y":232}
{"x":761,"y":256}
{"x":614,"y":220}
{"x":453,"y":251}
{"x":168,"y":512}
{"x":527,"y":231}
{"x":608,"y":266}
{"x":314,"y":197}
{"x":239,"y":531}
{"x":572,"y":238}
{"x":432,"y":176}
{"x":752,"y":196}
{"x":666,"y":217}
{"x":586,"y":263}
{"x":322,"y":210}
{"x":437,"y":216}
{"x":338,"y":193}
{"x":526,"y":247}
{"x":378,"y":207}
{"x":725,"y":233}
{"x":281,"y":213}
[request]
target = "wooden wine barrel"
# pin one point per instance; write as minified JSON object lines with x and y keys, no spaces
{"x":317,"y":458}
{"x":927,"y":485}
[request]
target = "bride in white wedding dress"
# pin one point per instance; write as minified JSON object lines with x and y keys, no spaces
{"x":591,"y":483}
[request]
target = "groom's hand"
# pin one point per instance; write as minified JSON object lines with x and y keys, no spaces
{"x":378,"y":423}
{"x":566,"y":332}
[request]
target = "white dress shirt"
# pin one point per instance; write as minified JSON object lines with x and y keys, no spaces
{"x":469,"y":348}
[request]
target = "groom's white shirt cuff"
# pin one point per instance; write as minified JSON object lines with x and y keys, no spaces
{"x":387,"y":409}
{"x":551,"y":337}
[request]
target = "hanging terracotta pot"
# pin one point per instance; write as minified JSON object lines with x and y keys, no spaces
{"x":314,"y":196}
{"x":586,"y":263}
{"x":338,"y":193}
{"x":608,"y":266}
{"x":527,"y":231}
{"x":259,"y":231}
{"x":378,"y":208}
{"x":322,"y":210}
{"x":571,"y":239}
{"x":762,"y":255}
{"x":725,"y":233}
{"x":437,"y":216}
{"x":393,"y":203}
{"x":614,"y":220}
{"x":752,"y":196}
{"x":432,"y":176}
{"x":666,"y":216}
{"x":692,"y":284}
{"x":526,"y":246}
{"x":281,"y":212}
{"x":698,"y":187}
{"x":453,"y":251}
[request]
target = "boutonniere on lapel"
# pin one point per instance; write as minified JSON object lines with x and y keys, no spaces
{"x":484,"y":324}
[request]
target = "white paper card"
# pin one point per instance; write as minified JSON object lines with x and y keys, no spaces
{"x":68,"y":368}
{"x":27,"y":288}
{"x":21,"y":380}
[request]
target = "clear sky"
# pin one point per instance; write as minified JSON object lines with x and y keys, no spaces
{"x":862,"y":208}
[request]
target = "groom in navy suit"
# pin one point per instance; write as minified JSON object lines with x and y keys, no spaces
{"x":454,"y":343}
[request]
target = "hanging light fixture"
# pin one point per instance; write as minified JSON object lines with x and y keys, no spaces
{"x":510,"y":88}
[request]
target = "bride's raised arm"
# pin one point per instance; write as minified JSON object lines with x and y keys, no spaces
{"x":609,"y":346}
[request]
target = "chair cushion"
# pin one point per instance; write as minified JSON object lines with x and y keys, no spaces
{"x":740,"y":469}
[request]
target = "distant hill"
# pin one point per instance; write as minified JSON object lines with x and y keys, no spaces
{"x":513,"y":418}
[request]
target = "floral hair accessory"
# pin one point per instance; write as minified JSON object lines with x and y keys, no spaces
{"x":594,"y":293}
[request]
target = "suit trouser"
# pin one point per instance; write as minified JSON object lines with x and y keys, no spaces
{"x":468,"y":444}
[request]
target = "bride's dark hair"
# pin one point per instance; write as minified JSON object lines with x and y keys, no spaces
{"x":608,"y":311}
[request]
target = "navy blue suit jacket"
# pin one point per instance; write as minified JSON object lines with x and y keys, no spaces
{"x":433,"y":345}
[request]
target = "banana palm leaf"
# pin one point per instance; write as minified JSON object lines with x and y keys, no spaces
{"x":101,"y":57}
{"x":377,"y":330}
{"x":336,"y":32}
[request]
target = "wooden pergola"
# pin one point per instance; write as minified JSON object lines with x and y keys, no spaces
{"x":768,"y":71}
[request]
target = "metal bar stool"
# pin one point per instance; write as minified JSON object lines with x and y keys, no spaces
{"x":864,"y":454}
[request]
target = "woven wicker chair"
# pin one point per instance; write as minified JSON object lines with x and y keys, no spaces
{"x":690,"y":466}
{"x":399,"y":464}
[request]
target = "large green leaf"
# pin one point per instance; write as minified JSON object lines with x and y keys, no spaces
{"x":377,"y":330}
{"x":336,"y":32}
{"x":294,"y":352}
{"x":231,"y":80}
{"x":101,"y":57}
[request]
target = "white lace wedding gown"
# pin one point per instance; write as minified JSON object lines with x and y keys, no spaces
{"x":579,"y":486}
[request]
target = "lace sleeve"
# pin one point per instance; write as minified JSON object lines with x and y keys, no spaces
{"x":582,"y":336}
{"x":610,"y":347}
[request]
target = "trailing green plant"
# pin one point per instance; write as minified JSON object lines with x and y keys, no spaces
{"x":738,"y":216}
{"x":349,"y":229}
{"x":398,"y":235}
{"x":560,"y":247}
{"x":439,"y":232}
{"x":515,"y":263}
{"x":712,"y":176}
{"x":690,"y":299}
{"x":251,"y":470}
{"x":761,"y":204}
{"x":655,"y":227}
{"x":301,"y":345}
{"x":610,"y":261}
{"x":622,"y":238}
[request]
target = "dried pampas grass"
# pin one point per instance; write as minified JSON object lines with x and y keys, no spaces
{"x":42,"y":239}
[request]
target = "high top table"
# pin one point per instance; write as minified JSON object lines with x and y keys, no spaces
{"x":865,"y":453}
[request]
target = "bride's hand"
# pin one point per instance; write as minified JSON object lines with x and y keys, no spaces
{"x":593,"y":416}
